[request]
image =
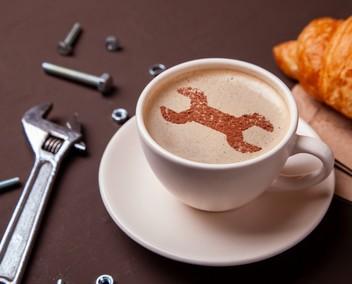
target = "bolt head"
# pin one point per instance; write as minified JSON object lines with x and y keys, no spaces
{"x":105,"y":83}
{"x":63,"y":48}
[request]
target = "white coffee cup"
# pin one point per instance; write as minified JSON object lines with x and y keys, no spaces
{"x":220,"y":187}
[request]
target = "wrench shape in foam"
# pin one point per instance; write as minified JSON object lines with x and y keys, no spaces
{"x":230,"y":125}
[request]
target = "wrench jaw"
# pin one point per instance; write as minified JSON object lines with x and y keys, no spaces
{"x":35,"y":136}
{"x":38,"y":130}
{"x":37,"y":112}
{"x":30,"y":121}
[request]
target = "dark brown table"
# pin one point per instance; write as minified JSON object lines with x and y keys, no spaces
{"x":78,"y":240}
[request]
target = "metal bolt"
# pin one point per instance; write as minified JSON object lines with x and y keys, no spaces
{"x":103,"y":83}
{"x":65,"y":47}
{"x":60,"y":281}
{"x":105,"y":279}
{"x":112,"y":43}
{"x":120,"y":115}
{"x":9,"y":183}
{"x":156,"y":69}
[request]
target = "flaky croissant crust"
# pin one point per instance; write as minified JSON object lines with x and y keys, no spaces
{"x":321,"y":60}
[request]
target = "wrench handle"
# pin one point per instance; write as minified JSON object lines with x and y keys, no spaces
{"x":19,"y":236}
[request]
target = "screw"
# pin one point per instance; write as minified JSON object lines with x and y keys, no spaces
{"x":9,"y":183}
{"x":120,"y":115}
{"x":65,"y":47}
{"x":60,"y":281}
{"x":103,"y":83}
{"x":112,"y":43}
{"x":156,"y":69}
{"x":105,"y":279}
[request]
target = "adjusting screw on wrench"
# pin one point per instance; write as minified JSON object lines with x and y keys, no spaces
{"x":4,"y":184}
{"x":105,"y":279}
{"x":104,"y":83}
{"x":65,"y":47}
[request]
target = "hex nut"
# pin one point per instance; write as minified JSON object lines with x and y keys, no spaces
{"x":119,"y":115}
{"x":156,"y":69}
{"x":105,"y":279}
{"x":112,"y":43}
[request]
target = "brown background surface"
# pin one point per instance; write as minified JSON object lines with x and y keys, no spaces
{"x":78,"y":240}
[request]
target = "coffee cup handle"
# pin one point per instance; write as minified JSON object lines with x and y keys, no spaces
{"x":315,"y":147}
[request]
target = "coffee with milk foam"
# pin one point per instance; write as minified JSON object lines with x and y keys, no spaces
{"x":216,"y":116}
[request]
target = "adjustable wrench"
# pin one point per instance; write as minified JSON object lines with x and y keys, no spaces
{"x":50,"y":142}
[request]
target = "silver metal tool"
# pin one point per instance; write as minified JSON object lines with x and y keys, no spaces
{"x":112,"y":43}
{"x":105,"y":279}
{"x":65,"y":47}
{"x":156,"y":69}
{"x":119,"y":115}
{"x":104,"y":83}
{"x":50,"y":143}
{"x":74,"y":125}
{"x":4,"y":184}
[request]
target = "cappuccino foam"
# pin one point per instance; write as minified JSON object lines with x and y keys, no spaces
{"x":216,"y":116}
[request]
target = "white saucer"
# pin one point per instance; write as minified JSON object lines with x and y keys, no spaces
{"x":151,"y":216}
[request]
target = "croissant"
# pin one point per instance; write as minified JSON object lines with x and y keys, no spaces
{"x":321,"y":60}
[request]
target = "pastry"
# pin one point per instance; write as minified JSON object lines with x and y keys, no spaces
{"x":321,"y":60}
